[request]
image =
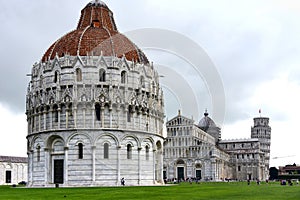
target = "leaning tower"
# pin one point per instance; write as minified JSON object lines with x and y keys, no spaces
{"x":262,"y":131}
{"x":94,"y":109}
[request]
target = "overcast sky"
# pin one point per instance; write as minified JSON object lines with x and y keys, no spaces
{"x":254,"y":45}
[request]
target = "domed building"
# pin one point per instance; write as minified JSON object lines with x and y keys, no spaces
{"x":190,"y":152}
{"x":209,"y":126}
{"x":95,"y":109}
{"x":198,"y":152}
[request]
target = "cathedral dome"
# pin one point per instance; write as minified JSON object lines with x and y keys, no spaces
{"x":206,"y":122}
{"x":96,"y":34}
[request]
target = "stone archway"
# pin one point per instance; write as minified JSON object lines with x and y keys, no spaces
{"x":198,"y":171}
{"x":180,"y":168}
{"x":55,"y":157}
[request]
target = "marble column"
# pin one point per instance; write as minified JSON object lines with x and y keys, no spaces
{"x":46,"y":163}
{"x":94,"y":164}
{"x":102,"y":116}
{"x":45,"y":119}
{"x":51,"y":118}
{"x":66,"y":173}
{"x":30,"y":167}
{"x":59,"y":111}
{"x":154,"y":165}
{"x":139,"y":165}
{"x":119,"y":166}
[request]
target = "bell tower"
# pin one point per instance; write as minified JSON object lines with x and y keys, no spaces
{"x":262,"y":131}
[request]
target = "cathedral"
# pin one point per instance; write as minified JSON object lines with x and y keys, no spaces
{"x":95,"y":109}
{"x":197,"y":151}
{"x":95,"y":114}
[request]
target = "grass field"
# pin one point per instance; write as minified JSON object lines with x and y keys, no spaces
{"x":183,"y":191}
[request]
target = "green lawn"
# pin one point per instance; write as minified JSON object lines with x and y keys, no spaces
{"x":183,"y":191}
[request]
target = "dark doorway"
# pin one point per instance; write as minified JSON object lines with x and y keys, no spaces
{"x":59,"y":171}
{"x":249,"y":177}
{"x":180,"y":173}
{"x":165,"y":174}
{"x":8,"y":177}
{"x":198,"y":174}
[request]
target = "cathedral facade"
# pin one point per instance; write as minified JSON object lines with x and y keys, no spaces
{"x":95,"y":109}
{"x":190,"y":152}
{"x":197,"y":151}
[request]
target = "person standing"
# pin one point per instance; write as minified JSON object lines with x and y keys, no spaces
{"x":122,"y":181}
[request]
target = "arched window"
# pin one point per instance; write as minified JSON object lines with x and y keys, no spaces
{"x":98,"y":112}
{"x":78,"y":75}
{"x":38,"y":153}
{"x":129,"y":151}
{"x":8,"y":176}
{"x":147,"y":152}
{"x":70,"y":109}
{"x":55,"y":110}
{"x":123,"y":77}
{"x":32,"y":123}
{"x":56,"y":77}
{"x":106,"y":151}
{"x":96,"y":23}
{"x":129,"y":114}
{"x":80,"y":151}
{"x":102,"y":75}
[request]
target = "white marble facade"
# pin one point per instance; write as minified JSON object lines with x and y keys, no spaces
{"x":190,"y":152}
{"x":96,"y":118}
{"x":197,"y":151}
{"x":13,"y":170}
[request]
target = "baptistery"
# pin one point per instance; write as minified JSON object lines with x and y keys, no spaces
{"x":94,"y":109}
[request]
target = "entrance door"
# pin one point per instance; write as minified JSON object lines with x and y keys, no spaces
{"x":249,"y":176}
{"x":198,"y":174}
{"x":8,"y":177}
{"x":180,"y":173}
{"x":59,"y":171}
{"x":165,"y":174}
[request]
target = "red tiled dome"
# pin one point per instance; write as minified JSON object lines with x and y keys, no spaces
{"x":96,"y":34}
